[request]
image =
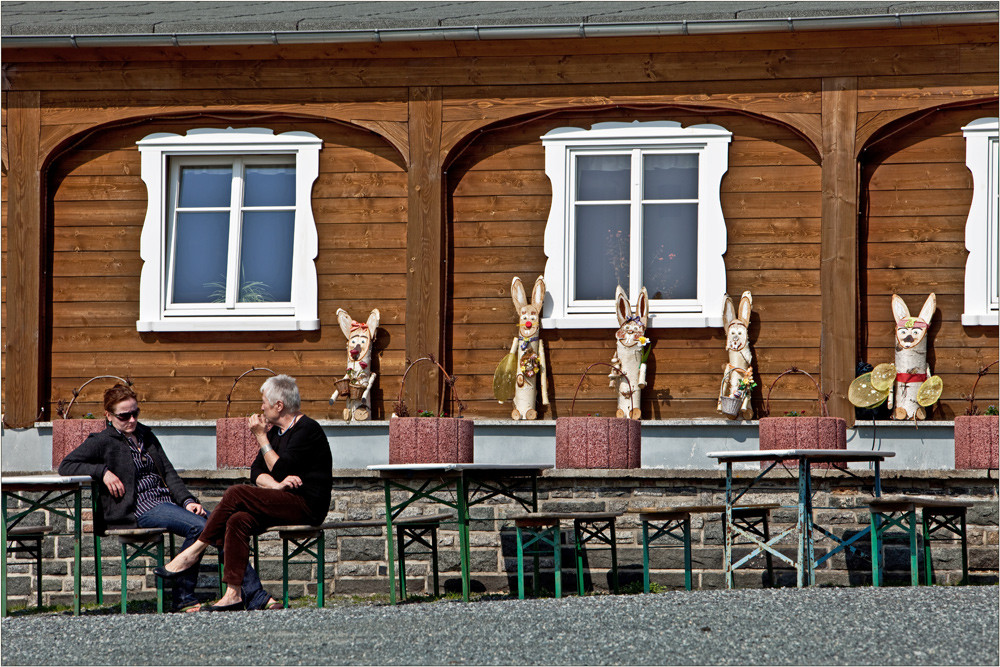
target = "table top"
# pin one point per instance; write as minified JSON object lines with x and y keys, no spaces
{"x":388,"y":469}
{"x":43,"y":482}
{"x":812,"y":455}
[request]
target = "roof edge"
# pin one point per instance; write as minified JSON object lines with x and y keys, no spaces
{"x":474,"y":33}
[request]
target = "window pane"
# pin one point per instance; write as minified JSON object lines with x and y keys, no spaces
{"x":205,"y":186}
{"x":602,"y":178}
{"x":200,"y":255}
{"x":269,"y":186}
{"x":266,"y":256}
{"x":602,"y":250}
{"x":670,"y":176}
{"x":670,"y":250}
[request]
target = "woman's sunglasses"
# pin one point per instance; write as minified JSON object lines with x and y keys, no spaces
{"x":126,"y":416}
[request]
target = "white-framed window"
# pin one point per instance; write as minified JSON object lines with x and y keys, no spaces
{"x":982,"y":271}
{"x":229,"y":240}
{"x":635,"y":204}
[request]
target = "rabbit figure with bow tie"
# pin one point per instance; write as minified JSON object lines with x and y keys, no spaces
{"x":357,"y":384}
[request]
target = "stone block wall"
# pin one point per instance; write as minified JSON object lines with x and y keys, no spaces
{"x":356,"y":558}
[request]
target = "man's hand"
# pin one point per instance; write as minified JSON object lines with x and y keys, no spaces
{"x":114,"y":484}
{"x":196,"y":508}
{"x":290,"y":482}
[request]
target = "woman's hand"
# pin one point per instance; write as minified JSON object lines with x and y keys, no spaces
{"x":290,"y":482}
{"x":257,"y":423}
{"x":196,"y":508}
{"x":114,"y":484}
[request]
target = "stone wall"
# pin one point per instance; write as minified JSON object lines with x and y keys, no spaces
{"x":356,"y":557}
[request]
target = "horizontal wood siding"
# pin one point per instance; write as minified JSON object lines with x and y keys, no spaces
{"x":98,"y":208}
{"x":913,"y":243}
{"x":500,"y":198}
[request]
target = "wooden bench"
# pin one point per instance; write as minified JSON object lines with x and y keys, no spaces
{"x":545,"y":529}
{"x":141,"y":542}
{"x":937,"y":515}
{"x":412,"y":530}
{"x":27,"y":541}
{"x":675,"y":522}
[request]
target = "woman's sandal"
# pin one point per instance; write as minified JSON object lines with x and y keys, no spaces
{"x":236,"y":606}
{"x":273,"y":604}
{"x":189,"y":609}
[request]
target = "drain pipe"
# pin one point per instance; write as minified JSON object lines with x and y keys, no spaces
{"x":473,"y":33}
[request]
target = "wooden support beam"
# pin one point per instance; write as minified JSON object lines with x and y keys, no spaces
{"x":25,"y":236}
{"x":425,"y":256}
{"x":839,"y":243}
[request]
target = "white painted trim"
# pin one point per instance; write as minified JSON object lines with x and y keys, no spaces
{"x":303,"y":310}
{"x":981,"y":227}
{"x":711,"y":143}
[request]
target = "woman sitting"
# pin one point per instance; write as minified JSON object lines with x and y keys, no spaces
{"x":293,"y":474}
{"x":138,"y":486}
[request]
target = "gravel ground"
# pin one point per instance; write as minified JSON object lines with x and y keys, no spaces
{"x":825,"y":626}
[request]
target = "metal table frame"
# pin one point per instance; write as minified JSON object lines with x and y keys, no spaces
{"x":805,"y":563}
{"x":56,"y":490}
{"x":457,"y":486}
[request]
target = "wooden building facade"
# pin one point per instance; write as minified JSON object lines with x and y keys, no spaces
{"x":847,"y":181}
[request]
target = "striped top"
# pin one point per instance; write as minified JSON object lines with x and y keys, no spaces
{"x":150,"y":489}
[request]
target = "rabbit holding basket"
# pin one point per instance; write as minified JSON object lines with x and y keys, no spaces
{"x":737,"y":377}
{"x":527,"y":351}
{"x":357,"y":384}
{"x":629,"y":361}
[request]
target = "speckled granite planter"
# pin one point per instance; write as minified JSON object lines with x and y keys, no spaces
{"x":598,"y":442}
{"x":803,"y":433}
{"x":68,"y":434}
{"x":976,"y":442}
{"x":235,"y":445}
{"x":430,"y":440}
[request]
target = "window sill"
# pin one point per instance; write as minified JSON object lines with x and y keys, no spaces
{"x":610,"y":321}
{"x":980,"y":320}
{"x":229,"y":324}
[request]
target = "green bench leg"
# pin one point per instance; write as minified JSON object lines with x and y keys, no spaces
{"x":876,"y":537}
{"x":434,"y":560}
{"x":284,"y":572}
{"x":520,"y":565}
{"x":687,"y":553}
{"x":321,"y":570}
{"x":401,"y":538}
{"x":645,"y":556}
{"x":124,"y":591}
{"x":159,"y":582}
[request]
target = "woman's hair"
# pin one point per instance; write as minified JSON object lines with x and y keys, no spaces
{"x":282,"y":388}
{"x":116,"y":395}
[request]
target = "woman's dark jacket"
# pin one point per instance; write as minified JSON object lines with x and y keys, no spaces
{"x":304,"y":451}
{"x":108,"y":450}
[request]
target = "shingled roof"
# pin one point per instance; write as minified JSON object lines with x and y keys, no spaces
{"x":64,"y":19}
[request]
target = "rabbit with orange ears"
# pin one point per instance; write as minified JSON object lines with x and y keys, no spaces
{"x":628,"y":362}
{"x":357,"y":384}
{"x":911,"y":356}
{"x":737,"y":376}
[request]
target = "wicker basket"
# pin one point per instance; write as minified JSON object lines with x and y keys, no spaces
{"x":730,"y":405}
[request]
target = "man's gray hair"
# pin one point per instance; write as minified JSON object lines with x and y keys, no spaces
{"x":282,"y":388}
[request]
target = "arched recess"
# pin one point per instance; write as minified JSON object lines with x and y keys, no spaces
{"x":96,"y":207}
{"x":915,"y":193}
{"x":498,"y":201}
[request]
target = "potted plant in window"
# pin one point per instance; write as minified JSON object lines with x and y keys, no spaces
{"x":599,"y":442}
{"x":977,"y":435}
{"x":430,"y":437}
{"x":68,"y":434}
{"x":235,"y":445}
{"x":796,"y":430}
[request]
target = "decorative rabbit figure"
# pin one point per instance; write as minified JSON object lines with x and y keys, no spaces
{"x":740,"y":366}
{"x":911,"y":356}
{"x":529,"y":349}
{"x":630,"y":340}
{"x":357,"y":384}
